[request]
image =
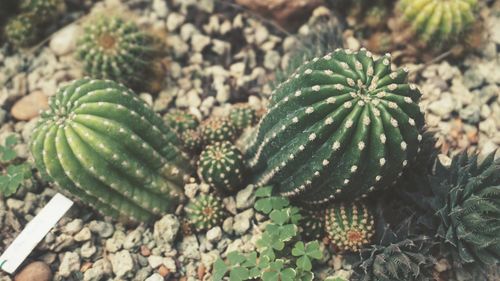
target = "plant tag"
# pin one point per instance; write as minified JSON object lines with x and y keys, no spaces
{"x":34,"y":232}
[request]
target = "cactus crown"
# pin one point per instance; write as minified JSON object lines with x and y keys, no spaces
{"x":349,"y":226}
{"x":216,"y":129}
{"x":438,"y":21}
{"x":99,"y":141}
{"x":180,"y":121}
{"x":192,"y":140}
{"x":342,"y":125}
{"x":468,"y":208}
{"x":205,"y":212}
{"x":21,"y":30}
{"x":221,"y":166}
{"x":243,"y":116}
{"x":112,"y":48}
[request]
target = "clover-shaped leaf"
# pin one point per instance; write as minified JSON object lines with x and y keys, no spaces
{"x":220,"y":269}
{"x":265,"y":191}
{"x":280,"y":217}
{"x":13,"y":178}
{"x":239,"y":273}
{"x":306,"y":252}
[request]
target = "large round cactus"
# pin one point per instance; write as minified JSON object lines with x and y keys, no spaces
{"x":102,"y":143}
{"x":341,"y":125}
{"x":112,"y":48}
{"x":438,"y":21}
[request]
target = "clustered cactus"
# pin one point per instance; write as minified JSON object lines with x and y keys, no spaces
{"x":45,"y":11}
{"x":205,"y":211}
{"x":181,"y":121}
{"x":341,"y":126}
{"x":21,"y":31}
{"x":192,"y":140}
{"x":349,"y":226}
{"x":242,"y":115}
{"x":112,"y":48}
{"x":438,"y":21}
{"x":99,"y":141}
{"x":215,"y":129}
{"x":221,"y":166}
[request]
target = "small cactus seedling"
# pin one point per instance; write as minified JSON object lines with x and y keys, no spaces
{"x":216,"y":129}
{"x":243,"y":116}
{"x":341,"y":126}
{"x":21,"y":30}
{"x":438,"y":22}
{"x":181,"y":121}
{"x":192,"y":140}
{"x":349,"y":226}
{"x":312,"y":224}
{"x":99,"y":141}
{"x":221,"y":166}
{"x":205,"y":212}
{"x":44,"y":11}
{"x":112,"y":48}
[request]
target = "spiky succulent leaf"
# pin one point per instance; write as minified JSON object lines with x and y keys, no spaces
{"x":216,"y":129}
{"x":205,"y":211}
{"x":342,"y":125}
{"x":349,"y":226}
{"x":221,"y":166}
{"x":181,"y":121}
{"x":99,"y":141}
{"x":115,"y":49}
{"x":22,"y":30}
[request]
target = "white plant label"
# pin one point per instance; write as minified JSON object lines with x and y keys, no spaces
{"x":34,"y":232}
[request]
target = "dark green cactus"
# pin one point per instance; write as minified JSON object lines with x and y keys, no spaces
{"x":349,"y":226}
{"x":342,"y":125}
{"x":312,"y":224}
{"x":243,"y":116}
{"x":22,"y":30}
{"x":192,"y":140}
{"x":205,"y":211}
{"x":407,"y":260}
{"x":437,"y":22}
{"x":99,"y":141}
{"x":215,"y":129}
{"x":221,"y":166}
{"x":181,"y":121}
{"x":45,"y":11}
{"x":112,"y":48}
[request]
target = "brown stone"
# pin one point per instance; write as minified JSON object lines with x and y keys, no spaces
{"x":35,"y":271}
{"x":145,"y":251}
{"x":29,"y":106}
{"x":287,"y":13}
{"x":163,"y":271}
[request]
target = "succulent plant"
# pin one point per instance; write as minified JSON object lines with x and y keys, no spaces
{"x":467,"y":205}
{"x":349,"y":226}
{"x":45,"y":11}
{"x":100,"y":142}
{"x":216,"y":129}
{"x":192,"y":140}
{"x":437,"y":22}
{"x":22,"y":30}
{"x":312,"y":224}
{"x":342,"y":125}
{"x":205,"y":211}
{"x":221,"y":166}
{"x":243,"y":116}
{"x":181,"y":121}
{"x":407,"y":260}
{"x":115,"y":49}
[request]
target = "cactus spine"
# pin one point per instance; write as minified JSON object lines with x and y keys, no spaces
{"x":21,"y":30}
{"x":243,"y":116}
{"x":45,"y":11}
{"x":312,"y":224}
{"x":349,"y":226}
{"x":215,"y":129}
{"x":103,"y":144}
{"x":341,"y":125}
{"x":205,"y":212}
{"x":181,"y":121}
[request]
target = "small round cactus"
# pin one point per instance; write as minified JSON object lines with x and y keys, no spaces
{"x":312,"y":224}
{"x":22,"y":30}
{"x":181,"y":121}
{"x":205,"y":211}
{"x":349,"y":226}
{"x":216,"y":129}
{"x":438,"y":21}
{"x":221,"y":166}
{"x":112,"y":48}
{"x":192,"y":140}
{"x":243,"y":116}
{"x":45,"y":11}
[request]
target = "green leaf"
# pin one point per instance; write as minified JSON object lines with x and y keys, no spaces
{"x":235,"y":258}
{"x":313,"y":251}
{"x":239,"y":273}
{"x":220,"y":270}
{"x":280,"y":217}
{"x":11,"y":140}
{"x":287,"y":232}
{"x":288,"y":274}
{"x":263,"y":205}
{"x":304,"y":263}
{"x":265,"y":191}
{"x":299,"y":249}
{"x":305,"y":276}
{"x":14,"y":177}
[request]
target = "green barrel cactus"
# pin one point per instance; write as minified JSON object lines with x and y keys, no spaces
{"x":205,"y":211}
{"x":99,"y":141}
{"x":341,"y":126}
{"x":312,"y":224}
{"x":407,"y":260}
{"x":215,"y":129}
{"x":22,"y":30}
{"x":242,"y":115}
{"x":45,"y":11}
{"x":349,"y":226}
{"x":466,"y":200}
{"x":115,"y":49}
{"x":181,"y":121}
{"x":438,"y":21}
{"x":192,"y":140}
{"x":221,"y":166}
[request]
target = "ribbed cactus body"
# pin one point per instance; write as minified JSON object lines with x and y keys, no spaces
{"x":243,"y":116}
{"x":46,"y":11}
{"x":21,"y":30}
{"x":205,"y":211}
{"x":114,"y":49}
{"x":312,"y":224}
{"x":181,"y":121}
{"x":341,"y":125}
{"x":216,"y":129}
{"x":438,"y":21}
{"x":349,"y":226}
{"x":221,"y":166}
{"x":192,"y":140}
{"x":102,"y":143}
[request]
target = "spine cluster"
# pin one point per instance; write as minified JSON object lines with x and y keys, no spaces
{"x":205,"y":211}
